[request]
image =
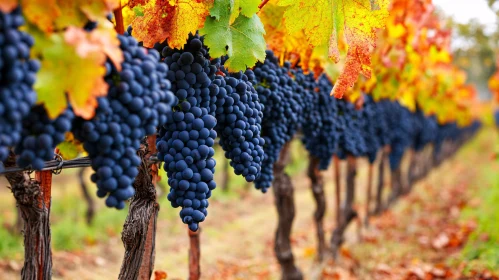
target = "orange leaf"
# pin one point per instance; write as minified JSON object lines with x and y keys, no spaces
{"x":285,"y":45}
{"x":41,"y":13}
{"x":160,"y":275}
{"x":78,"y":56}
{"x":170,"y":20}
{"x":8,"y":6}
{"x":99,"y":40}
{"x":56,"y":15}
{"x":133,"y":3}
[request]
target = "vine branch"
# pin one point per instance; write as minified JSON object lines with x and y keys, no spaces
{"x":118,"y":17}
{"x":264,"y":2}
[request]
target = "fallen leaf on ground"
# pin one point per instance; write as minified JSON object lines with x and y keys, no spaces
{"x":383,"y":268}
{"x":160,"y":275}
{"x":441,"y":241}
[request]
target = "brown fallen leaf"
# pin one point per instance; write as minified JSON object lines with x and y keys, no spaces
{"x":441,"y":241}
{"x":309,"y":252}
{"x":383,"y":268}
{"x":417,"y":272}
{"x":100,"y":261}
{"x":424,"y":240}
{"x":15,"y":266}
{"x":438,"y":272}
{"x":160,"y":275}
{"x":345,"y":253}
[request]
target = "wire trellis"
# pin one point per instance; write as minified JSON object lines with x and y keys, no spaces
{"x":58,"y":164}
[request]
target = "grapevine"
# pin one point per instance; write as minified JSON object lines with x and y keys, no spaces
{"x":321,"y":132}
{"x":129,"y":87}
{"x":281,"y":112}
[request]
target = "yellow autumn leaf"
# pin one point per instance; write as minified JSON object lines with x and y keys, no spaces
{"x":72,"y":69}
{"x":396,"y":31}
{"x":286,"y":46}
{"x":41,"y":13}
{"x":56,"y":15}
{"x":314,"y":18}
{"x":437,"y":56}
{"x":324,"y":22}
{"x":408,"y":101}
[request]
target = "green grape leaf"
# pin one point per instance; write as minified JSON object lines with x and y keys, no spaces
{"x":70,"y":148}
{"x":246,"y":7}
{"x":138,"y":11}
{"x":221,"y":7}
{"x":241,"y":40}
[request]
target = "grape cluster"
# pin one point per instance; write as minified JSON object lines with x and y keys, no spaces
{"x":375,"y":130}
{"x":349,"y":129}
{"x":425,"y":130}
{"x":40,"y":136}
{"x":370,"y":128}
{"x":304,"y":86}
{"x":17,"y":76}
{"x":186,"y":140}
{"x":401,"y":131}
{"x":381,"y":123}
{"x":137,"y":103}
{"x":281,"y":114}
{"x":320,"y":130}
{"x":444,"y":132}
{"x":239,"y":115}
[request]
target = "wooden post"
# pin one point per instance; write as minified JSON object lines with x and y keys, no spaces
{"x":381,"y":181}
{"x":428,"y":158}
{"x":420,"y":165}
{"x":369,"y":194}
{"x":348,"y":212}
{"x":396,"y":182}
{"x":139,"y":230}
{"x":317,"y":184}
{"x":337,"y":181}
{"x":194,"y":255}
{"x":412,"y":171}
{"x":284,"y":202}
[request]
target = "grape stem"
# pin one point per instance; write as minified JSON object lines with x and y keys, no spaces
{"x":194,"y":255}
{"x":118,"y":17}
{"x":264,"y":2}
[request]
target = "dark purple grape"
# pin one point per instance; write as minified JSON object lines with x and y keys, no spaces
{"x":138,"y":102}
